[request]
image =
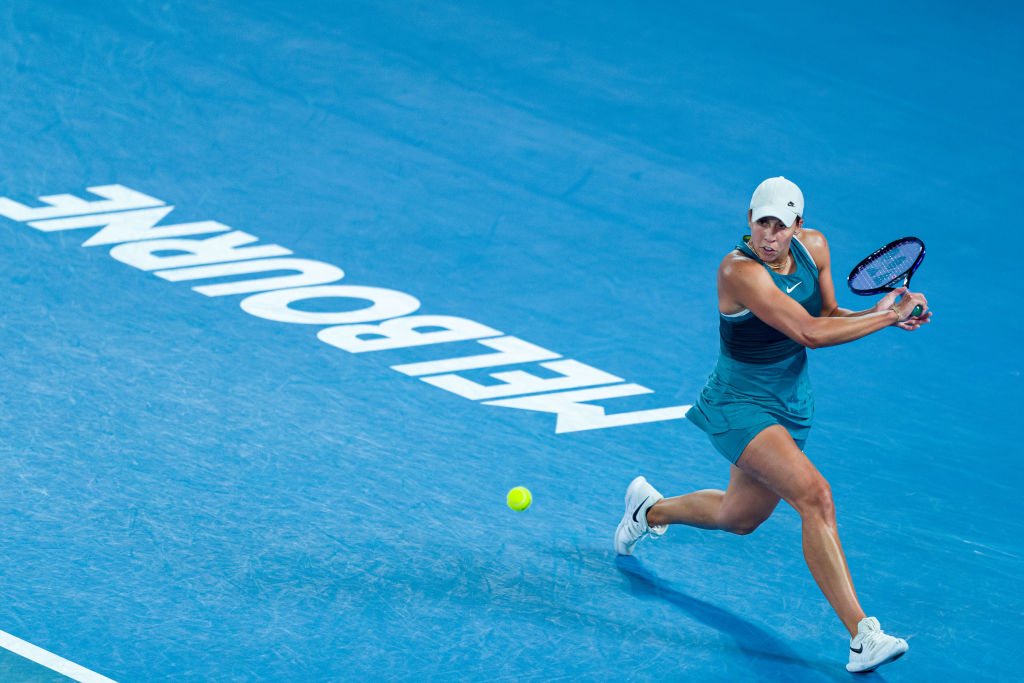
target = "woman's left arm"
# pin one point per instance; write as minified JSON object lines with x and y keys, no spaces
{"x":817,"y":245}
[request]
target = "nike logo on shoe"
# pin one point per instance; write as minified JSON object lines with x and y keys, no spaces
{"x":790,"y":289}
{"x":858,"y":650}
{"x":637,"y":511}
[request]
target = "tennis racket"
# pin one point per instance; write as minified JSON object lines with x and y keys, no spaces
{"x":888,"y":268}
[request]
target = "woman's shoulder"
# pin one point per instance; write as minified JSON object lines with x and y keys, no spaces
{"x":809,"y":237}
{"x":815,"y":243}
{"x":738,"y":264}
{"x":736,"y":259}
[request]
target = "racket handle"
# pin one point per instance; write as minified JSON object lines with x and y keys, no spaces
{"x":916,"y":311}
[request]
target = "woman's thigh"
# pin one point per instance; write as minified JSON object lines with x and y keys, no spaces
{"x":774,"y":460}
{"x":747,"y":502}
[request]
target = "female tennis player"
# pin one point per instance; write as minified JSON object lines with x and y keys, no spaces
{"x":776,"y":299}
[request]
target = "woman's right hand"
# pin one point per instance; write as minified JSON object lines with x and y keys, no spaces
{"x":906,"y":305}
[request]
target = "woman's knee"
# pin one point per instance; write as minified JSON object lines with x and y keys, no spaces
{"x":743,"y":529}
{"x":741,"y":526}
{"x":816,"y":501}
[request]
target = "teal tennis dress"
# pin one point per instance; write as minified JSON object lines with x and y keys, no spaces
{"x":761,"y":378}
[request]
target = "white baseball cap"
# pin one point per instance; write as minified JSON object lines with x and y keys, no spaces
{"x":777,"y":197}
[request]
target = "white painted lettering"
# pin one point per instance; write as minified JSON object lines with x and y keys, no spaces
{"x":118,"y":197}
{"x":309,"y":273}
{"x":143,"y":255}
{"x":129,"y":219}
{"x":574,"y":374}
{"x":129,"y":226}
{"x":575,"y":416}
{"x":512,"y":350}
{"x":386,"y":303}
{"x":401,"y":333}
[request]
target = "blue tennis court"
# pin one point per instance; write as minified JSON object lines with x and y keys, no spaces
{"x":295,"y":292}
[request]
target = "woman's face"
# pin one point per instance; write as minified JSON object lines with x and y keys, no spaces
{"x":770,"y":238}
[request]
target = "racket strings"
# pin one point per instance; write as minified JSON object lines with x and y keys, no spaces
{"x":886,"y":267}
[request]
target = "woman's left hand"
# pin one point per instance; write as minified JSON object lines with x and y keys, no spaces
{"x":911,"y":323}
{"x":886,"y":302}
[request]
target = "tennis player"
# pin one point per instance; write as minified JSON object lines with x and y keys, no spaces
{"x":776,"y":299}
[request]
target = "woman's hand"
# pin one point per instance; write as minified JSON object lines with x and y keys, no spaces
{"x":904,"y":307}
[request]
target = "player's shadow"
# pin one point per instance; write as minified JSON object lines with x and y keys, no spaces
{"x":756,"y":643}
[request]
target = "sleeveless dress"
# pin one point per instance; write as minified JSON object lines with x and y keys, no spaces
{"x":761,"y":376}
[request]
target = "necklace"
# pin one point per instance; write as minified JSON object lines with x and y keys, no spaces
{"x":777,"y":268}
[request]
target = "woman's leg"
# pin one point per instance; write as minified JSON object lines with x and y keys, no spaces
{"x":774,"y":459}
{"x":739,"y":509}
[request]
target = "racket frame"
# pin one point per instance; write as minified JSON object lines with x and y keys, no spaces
{"x":893,"y":283}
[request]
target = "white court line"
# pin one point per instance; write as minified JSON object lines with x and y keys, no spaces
{"x":50,"y":660}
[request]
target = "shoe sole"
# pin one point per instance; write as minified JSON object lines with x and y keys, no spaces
{"x":625,"y":518}
{"x":892,"y":658}
{"x":615,"y":544}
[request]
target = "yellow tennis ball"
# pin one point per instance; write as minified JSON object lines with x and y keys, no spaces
{"x":519,"y":498}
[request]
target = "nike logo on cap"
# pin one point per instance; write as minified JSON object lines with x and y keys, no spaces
{"x":790,"y":289}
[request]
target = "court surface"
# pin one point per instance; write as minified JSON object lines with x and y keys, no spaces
{"x":208,"y":486}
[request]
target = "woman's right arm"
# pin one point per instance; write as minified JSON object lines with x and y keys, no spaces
{"x":746,"y":284}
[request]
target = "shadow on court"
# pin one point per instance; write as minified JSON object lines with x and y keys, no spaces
{"x":758,"y":645}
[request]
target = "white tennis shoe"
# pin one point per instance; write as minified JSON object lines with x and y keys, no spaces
{"x":640,"y":496}
{"x":872,"y":647}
